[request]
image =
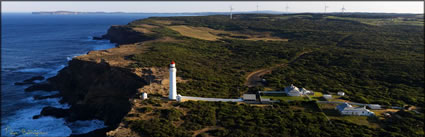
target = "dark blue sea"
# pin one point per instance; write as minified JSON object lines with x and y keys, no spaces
{"x":33,"y":45}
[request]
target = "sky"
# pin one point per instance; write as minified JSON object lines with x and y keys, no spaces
{"x":218,"y":6}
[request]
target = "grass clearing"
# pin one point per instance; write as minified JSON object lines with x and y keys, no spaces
{"x":378,"y":22}
{"x":285,"y":98}
{"x":268,"y":39}
{"x":380,"y":112}
{"x":195,"y":32}
{"x":212,"y":34}
{"x":360,"y":120}
{"x":332,"y":113}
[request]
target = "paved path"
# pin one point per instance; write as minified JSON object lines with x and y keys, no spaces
{"x":187,"y":98}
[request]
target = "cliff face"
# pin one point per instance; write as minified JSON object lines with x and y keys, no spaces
{"x":97,"y":90}
{"x":101,"y":85}
{"x":125,"y":35}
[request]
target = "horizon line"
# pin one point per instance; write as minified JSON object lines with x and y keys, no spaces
{"x":206,"y":12}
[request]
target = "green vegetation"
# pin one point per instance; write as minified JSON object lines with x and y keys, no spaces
{"x":285,"y":97}
{"x":372,"y":64}
{"x":368,"y":58}
{"x":234,"y":120}
{"x":215,"y":68}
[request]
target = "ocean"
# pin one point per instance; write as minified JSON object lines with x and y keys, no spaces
{"x":41,"y":45}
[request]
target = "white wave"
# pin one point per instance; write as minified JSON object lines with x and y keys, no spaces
{"x":43,"y":93}
{"x":34,"y":70}
{"x":55,"y":71}
{"x":22,"y":124}
{"x":73,"y":56}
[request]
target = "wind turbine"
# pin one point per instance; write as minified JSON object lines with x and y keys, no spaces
{"x":326,"y":7}
{"x":231,"y":9}
{"x":343,"y":9}
{"x":286,"y":8}
{"x":257,"y":8}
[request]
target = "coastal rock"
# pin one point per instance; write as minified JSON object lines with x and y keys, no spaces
{"x":30,"y":81}
{"x":55,"y":112}
{"x":126,"y":35}
{"x":98,"y":85}
{"x":97,"y":38}
{"x":41,"y":86}
{"x":39,"y":97}
{"x":96,"y":90}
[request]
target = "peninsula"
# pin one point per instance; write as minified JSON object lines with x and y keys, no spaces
{"x":356,"y":59}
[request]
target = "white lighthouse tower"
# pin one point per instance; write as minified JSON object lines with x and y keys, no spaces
{"x":173,"y":85}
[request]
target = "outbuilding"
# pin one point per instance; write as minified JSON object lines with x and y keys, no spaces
{"x":327,"y":96}
{"x":144,"y":95}
{"x":374,"y":106}
{"x":249,"y":97}
{"x":347,"y":109}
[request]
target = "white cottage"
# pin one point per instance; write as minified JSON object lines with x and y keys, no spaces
{"x":341,"y":93}
{"x":144,"y":95}
{"x":292,"y":91}
{"x":347,"y":109}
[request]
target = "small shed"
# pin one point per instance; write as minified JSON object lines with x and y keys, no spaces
{"x":374,"y":106}
{"x":341,"y":93}
{"x":179,"y":98}
{"x":144,"y":95}
{"x":249,"y":97}
{"x":327,"y":96}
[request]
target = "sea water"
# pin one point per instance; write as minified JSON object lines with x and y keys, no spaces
{"x":34,"y":45}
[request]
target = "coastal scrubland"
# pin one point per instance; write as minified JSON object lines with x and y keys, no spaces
{"x":372,"y":64}
{"x":373,"y":58}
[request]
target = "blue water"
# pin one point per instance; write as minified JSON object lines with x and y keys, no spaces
{"x":33,"y":45}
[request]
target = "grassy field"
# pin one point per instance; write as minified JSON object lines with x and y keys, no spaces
{"x":329,"y":110}
{"x":284,"y":97}
{"x":195,"y":32}
{"x":378,"y":22}
{"x":360,"y":120}
{"x":316,"y":96}
{"x":205,"y":33}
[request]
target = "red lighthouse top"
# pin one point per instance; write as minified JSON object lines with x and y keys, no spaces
{"x":172,"y":62}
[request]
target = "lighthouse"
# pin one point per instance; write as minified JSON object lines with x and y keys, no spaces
{"x":173,"y":85}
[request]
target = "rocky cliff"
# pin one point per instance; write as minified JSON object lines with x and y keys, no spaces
{"x":125,"y":35}
{"x":100,"y":85}
{"x":97,"y":90}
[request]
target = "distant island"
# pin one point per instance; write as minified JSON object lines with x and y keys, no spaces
{"x":74,"y":12}
{"x":119,"y":12}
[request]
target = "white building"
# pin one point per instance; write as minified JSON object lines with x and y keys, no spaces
{"x":306,"y":92}
{"x":173,"y":84}
{"x":341,"y":93}
{"x":374,"y":106}
{"x":249,"y":97}
{"x":294,"y":91}
{"x":144,"y":95}
{"x":347,"y":109}
{"x":327,"y":96}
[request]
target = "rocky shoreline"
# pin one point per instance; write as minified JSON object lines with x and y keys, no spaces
{"x":94,"y":86}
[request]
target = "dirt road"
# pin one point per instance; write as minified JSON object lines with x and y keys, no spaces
{"x":253,"y":79}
